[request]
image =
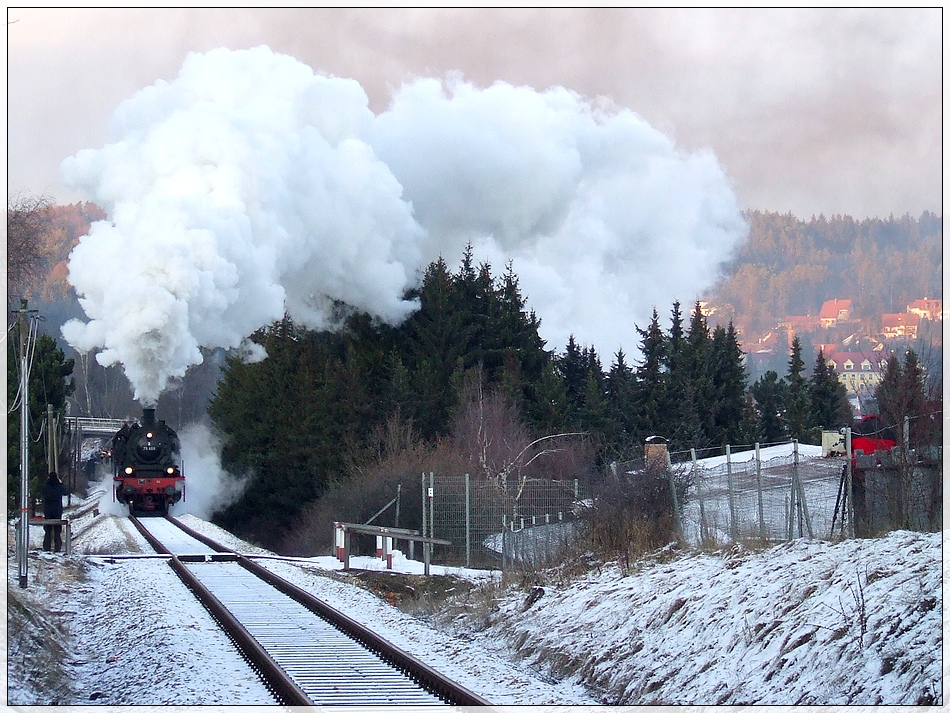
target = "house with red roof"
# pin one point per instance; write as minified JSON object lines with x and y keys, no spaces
{"x":903,"y":324}
{"x":834,"y":311}
{"x":927,"y":309}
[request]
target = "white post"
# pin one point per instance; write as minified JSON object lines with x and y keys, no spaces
{"x":339,"y":540}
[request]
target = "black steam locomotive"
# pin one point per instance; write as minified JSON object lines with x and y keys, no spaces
{"x":146,"y":466}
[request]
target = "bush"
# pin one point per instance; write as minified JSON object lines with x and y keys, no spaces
{"x":630,"y":513}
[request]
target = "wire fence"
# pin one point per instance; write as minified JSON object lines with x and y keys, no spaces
{"x":771,"y":499}
{"x":490,"y":524}
{"x":810,"y":494}
{"x":768,"y":495}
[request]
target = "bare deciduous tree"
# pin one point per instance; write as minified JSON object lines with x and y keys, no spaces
{"x":27,"y":224}
{"x":489,"y":430}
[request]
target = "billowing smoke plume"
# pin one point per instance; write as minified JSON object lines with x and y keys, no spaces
{"x":208,"y":487}
{"x":249,"y":186}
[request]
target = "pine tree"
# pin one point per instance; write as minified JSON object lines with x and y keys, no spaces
{"x":649,"y":390}
{"x":699,"y":387}
{"x":729,"y":385}
{"x":573,"y":367}
{"x":769,"y":393}
{"x":829,"y":398}
{"x":797,"y":399}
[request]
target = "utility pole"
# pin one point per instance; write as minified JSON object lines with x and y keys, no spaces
{"x":23,"y":540}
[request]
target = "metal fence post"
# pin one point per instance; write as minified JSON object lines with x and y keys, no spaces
{"x":676,"y":505}
{"x":849,"y":493}
{"x":758,"y":482}
{"x":697,"y":477}
{"x":468,"y":524}
{"x":907,"y":472}
{"x":504,"y":531}
{"x":803,"y":501}
{"x":793,"y":501}
{"x":431,"y":504}
{"x":733,"y":517}
{"x":425,"y":506}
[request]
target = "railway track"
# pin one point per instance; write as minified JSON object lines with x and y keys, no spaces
{"x":306,"y":652}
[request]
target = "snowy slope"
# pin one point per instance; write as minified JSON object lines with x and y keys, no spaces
{"x":805,"y":622}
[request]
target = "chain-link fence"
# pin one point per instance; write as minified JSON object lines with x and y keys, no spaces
{"x":526,"y":522}
{"x":770,"y":495}
{"x":805,"y":493}
{"x":771,"y":499}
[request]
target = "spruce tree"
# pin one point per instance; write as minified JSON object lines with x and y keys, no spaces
{"x":797,"y":399}
{"x":729,"y":384}
{"x":50,"y":382}
{"x":769,"y":392}
{"x":649,"y":390}
{"x":829,"y":398}
{"x":902,"y":394}
{"x":573,"y":368}
{"x":620,"y":402}
{"x":434,"y":339}
{"x":699,"y":386}
{"x":676,"y":380}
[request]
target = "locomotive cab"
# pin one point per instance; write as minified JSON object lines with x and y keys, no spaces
{"x":147,"y":466}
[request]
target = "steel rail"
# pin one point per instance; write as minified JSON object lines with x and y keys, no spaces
{"x":275,"y":678}
{"x":439,"y":684}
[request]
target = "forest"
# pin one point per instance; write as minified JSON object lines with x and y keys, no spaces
{"x":466,"y":384}
{"x":790,"y":267}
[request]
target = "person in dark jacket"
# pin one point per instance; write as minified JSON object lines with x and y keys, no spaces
{"x":53,"y":492}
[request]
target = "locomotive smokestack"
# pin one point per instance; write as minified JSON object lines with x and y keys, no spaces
{"x":148,"y":417}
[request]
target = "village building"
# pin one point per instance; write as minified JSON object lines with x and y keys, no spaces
{"x":834,"y":312}
{"x":903,"y":324}
{"x":799,"y":323}
{"x":860,"y":372}
{"x":927,"y":309}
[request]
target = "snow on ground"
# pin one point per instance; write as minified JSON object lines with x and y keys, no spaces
{"x":805,"y":622}
{"x":124,"y":621}
{"x":857,"y":622}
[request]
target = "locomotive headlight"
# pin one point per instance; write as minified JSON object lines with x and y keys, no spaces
{"x":170,"y":470}
{"x":128,"y":470}
{"x":149,"y":435}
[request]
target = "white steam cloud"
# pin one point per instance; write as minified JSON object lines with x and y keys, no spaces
{"x":249,"y":186}
{"x":208,"y":487}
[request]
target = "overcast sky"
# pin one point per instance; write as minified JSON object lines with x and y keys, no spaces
{"x":808,"y":111}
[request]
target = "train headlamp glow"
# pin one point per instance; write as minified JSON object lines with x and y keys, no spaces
{"x":128,"y":470}
{"x":149,"y":435}
{"x":170,"y":471}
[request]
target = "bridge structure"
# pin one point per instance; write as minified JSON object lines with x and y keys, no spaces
{"x":78,"y":429}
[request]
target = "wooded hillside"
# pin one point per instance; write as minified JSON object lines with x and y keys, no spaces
{"x":790,"y":267}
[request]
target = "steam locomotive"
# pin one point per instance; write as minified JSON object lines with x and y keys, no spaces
{"x":146,"y":466}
